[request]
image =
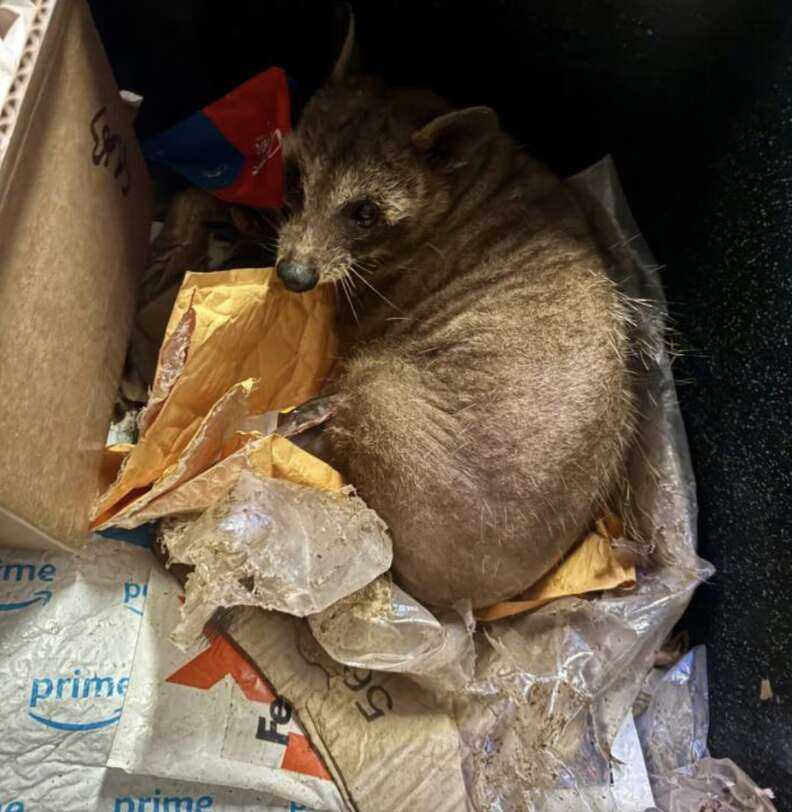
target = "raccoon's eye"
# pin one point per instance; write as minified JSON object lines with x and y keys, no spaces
{"x":366,"y":213}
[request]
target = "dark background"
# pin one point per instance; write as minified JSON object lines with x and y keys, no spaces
{"x":693,"y":98}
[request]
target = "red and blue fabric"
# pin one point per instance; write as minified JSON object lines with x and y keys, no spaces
{"x":232,"y":147}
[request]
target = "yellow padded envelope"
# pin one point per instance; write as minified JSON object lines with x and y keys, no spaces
{"x":237,"y":344}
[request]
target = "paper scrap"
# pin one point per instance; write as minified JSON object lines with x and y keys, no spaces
{"x":591,"y":567}
{"x":271,"y":456}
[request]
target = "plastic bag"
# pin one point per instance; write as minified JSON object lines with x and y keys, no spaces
{"x":673,"y":733}
{"x":383,"y":628}
{"x":277,"y":545}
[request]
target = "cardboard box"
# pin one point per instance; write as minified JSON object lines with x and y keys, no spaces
{"x":74,"y":224}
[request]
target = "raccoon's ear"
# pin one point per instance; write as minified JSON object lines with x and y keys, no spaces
{"x":448,"y":140}
{"x":347,"y":61}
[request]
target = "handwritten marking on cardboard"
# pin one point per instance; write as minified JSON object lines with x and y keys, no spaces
{"x":106,"y":143}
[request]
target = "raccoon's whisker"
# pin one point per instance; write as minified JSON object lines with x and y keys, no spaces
{"x":367,"y":266}
{"x":274,"y":219}
{"x":344,"y":285}
{"x":351,"y":282}
{"x":369,"y":285}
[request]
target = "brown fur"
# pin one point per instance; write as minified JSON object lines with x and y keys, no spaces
{"x":484,"y":400}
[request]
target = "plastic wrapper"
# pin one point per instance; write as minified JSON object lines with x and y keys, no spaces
{"x":673,"y":728}
{"x":277,"y":545}
{"x":714,"y":784}
{"x":70,"y":634}
{"x":209,"y":717}
{"x":383,"y":628}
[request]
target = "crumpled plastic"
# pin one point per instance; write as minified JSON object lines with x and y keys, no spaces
{"x":673,"y":731}
{"x":674,"y":726}
{"x":237,"y":344}
{"x":716,"y":784}
{"x":277,"y":545}
{"x":383,"y":628}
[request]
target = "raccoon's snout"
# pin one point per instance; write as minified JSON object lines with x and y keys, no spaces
{"x":297,"y":276}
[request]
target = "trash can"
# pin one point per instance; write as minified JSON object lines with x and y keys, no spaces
{"x":694,"y":103}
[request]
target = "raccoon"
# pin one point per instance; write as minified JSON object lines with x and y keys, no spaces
{"x":484,"y":401}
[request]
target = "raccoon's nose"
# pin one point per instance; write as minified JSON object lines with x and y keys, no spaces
{"x":297,"y":276}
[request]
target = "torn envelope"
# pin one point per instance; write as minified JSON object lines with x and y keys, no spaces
{"x":270,"y":456}
{"x":594,"y":565}
{"x":237,"y":344}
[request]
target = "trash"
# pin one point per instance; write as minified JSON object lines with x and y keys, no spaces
{"x":237,"y":344}
{"x":268,"y":456}
{"x":386,"y":741}
{"x":673,"y":732}
{"x":765,"y":691}
{"x":631,"y":789}
{"x":673,"y":728}
{"x":277,"y":545}
{"x":232,"y":147}
{"x":713,"y":785}
{"x":210,"y":717}
{"x":592,"y":566}
{"x":82,"y":650}
{"x":383,"y":628}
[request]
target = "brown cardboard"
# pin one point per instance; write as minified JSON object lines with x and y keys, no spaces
{"x":74,"y":221}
